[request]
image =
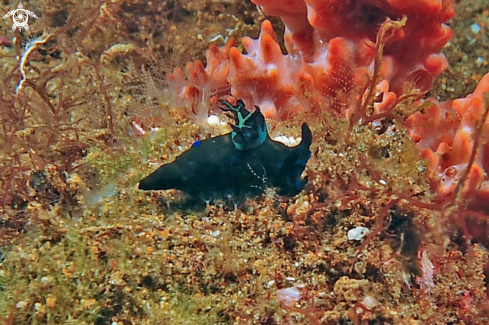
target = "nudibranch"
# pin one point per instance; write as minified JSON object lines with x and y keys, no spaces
{"x":237,"y":164}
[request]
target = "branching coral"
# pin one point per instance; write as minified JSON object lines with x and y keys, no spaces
{"x":199,"y":86}
{"x":331,"y":54}
{"x":453,"y":136}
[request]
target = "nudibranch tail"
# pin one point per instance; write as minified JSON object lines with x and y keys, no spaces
{"x":250,"y":130}
{"x":290,"y":183}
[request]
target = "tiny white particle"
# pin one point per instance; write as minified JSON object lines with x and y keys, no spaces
{"x":21,"y":304}
{"x":290,"y":296}
{"x":288,"y":141}
{"x":370,"y":302}
{"x":213,"y":120}
{"x":45,"y":280}
{"x":357,"y":233}
{"x":476,"y":28}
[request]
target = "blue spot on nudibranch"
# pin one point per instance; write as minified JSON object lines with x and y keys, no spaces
{"x":234,"y":159}
{"x":298,"y":184}
{"x":197,"y":143}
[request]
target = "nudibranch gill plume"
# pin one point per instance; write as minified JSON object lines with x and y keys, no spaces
{"x":237,"y":164}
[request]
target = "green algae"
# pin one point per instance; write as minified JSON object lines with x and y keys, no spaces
{"x":108,"y":165}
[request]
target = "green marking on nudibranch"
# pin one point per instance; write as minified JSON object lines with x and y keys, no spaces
{"x":251,"y":129}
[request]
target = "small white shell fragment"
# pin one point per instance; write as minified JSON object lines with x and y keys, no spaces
{"x":213,"y":120}
{"x":46,"y":280}
{"x":290,"y":296}
{"x":288,"y":141}
{"x":21,"y":304}
{"x":370,"y":302}
{"x":357,"y":233}
{"x":476,"y":28}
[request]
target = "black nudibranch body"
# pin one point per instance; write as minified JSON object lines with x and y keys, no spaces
{"x":238,"y":164}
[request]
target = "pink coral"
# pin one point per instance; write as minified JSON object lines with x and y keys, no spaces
{"x":199,"y":86}
{"x":446,"y":134}
{"x":265,"y":77}
{"x":334,"y":41}
{"x":413,"y":54}
{"x":331,"y":55}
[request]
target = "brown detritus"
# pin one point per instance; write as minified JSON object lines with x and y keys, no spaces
{"x":486,"y":277}
{"x":406,"y":238}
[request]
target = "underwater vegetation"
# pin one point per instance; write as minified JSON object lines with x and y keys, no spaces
{"x":385,"y":224}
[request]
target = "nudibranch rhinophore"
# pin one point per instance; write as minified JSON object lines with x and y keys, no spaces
{"x":237,"y":164}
